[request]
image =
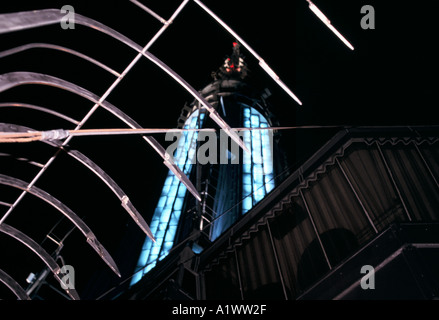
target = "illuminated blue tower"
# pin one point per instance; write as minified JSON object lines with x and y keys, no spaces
{"x":229,"y":180}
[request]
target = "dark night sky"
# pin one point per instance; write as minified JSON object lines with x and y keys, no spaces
{"x":387,"y":80}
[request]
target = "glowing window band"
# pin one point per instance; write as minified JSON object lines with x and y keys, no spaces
{"x":167,"y":214}
{"x":257,"y":177}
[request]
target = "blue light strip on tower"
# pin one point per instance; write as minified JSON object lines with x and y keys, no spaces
{"x":257,"y":177}
{"x":168,"y":211}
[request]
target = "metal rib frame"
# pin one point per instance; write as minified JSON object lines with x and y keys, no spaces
{"x":67,"y":212}
{"x":31,"y":19}
{"x":24,"y":20}
{"x":40,"y":252}
{"x":10,"y":282}
{"x":13,"y":79}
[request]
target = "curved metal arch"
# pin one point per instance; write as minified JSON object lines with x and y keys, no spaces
{"x":40,"y":252}
{"x":35,"y":107}
{"x":58,"y":48}
{"x":16,"y":21}
{"x":31,"y":19}
{"x":93,"y":167}
{"x":33,"y":163}
{"x":13,"y":286}
{"x":68,"y":213}
{"x":13,"y":79}
{"x":126,"y":203}
{"x":10,"y":80}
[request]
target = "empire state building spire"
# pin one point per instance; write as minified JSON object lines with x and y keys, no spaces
{"x":231,"y":182}
{"x":234,"y":65}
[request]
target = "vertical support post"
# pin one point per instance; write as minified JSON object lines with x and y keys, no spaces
{"x":356,"y":196}
{"x":277,"y":261}
{"x":201,"y":287}
{"x":239,"y":275}
{"x":389,"y":171}
{"x":316,"y":231}
{"x":426,"y":164}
